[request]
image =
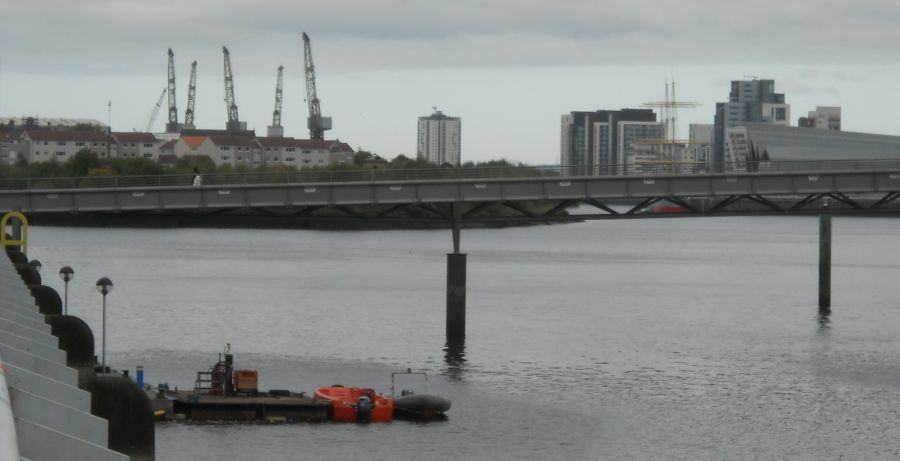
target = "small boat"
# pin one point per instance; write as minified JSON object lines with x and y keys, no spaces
{"x":667,"y":208}
{"x":357,"y":404}
{"x":420,"y":407}
{"x":411,"y":405}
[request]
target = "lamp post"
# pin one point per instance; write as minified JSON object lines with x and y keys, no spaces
{"x":66,"y":274}
{"x":104,"y":286}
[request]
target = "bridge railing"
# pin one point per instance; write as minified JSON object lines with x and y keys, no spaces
{"x":372,"y":175}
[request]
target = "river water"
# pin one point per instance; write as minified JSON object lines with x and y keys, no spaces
{"x":693,"y":339}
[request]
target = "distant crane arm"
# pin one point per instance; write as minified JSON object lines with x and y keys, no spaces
{"x":316,"y":122}
{"x":276,"y":114}
{"x":173,"y":112}
{"x":229,"y":89}
{"x":155,"y":112}
{"x":192,"y":95}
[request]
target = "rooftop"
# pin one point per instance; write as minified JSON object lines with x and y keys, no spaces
{"x":53,"y":135}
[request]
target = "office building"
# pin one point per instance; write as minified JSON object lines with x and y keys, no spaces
{"x":823,"y":118}
{"x":750,"y":101}
{"x":607,"y":141}
{"x":762,"y":143}
{"x":439,"y":139}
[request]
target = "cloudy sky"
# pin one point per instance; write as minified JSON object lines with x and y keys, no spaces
{"x":508,"y":68}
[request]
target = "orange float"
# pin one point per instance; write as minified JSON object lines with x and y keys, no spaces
{"x":357,"y":404}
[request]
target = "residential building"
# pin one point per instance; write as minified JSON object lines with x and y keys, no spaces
{"x":700,"y":136}
{"x":234,"y":150}
{"x":167,"y":148}
{"x":303,"y":153}
{"x":59,"y":146}
{"x":223,"y":148}
{"x":750,"y":101}
{"x":439,"y":139}
{"x":824,"y":118}
{"x":607,"y":141}
{"x":10,"y":149}
{"x":136,"y":145}
{"x":193,"y":145}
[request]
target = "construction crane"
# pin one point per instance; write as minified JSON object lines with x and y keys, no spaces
{"x":234,"y":123}
{"x":172,"y":126}
{"x":192,"y":95}
{"x":316,"y":123}
{"x":276,"y":130}
{"x":155,"y":112}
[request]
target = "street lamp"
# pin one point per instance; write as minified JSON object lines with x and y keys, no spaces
{"x":66,"y":274}
{"x":104,"y":286}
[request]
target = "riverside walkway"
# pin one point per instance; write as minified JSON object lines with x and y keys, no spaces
{"x":859,"y":185}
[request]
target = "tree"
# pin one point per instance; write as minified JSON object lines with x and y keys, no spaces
{"x":81,"y":163}
{"x":104,"y":170}
{"x":136,"y":167}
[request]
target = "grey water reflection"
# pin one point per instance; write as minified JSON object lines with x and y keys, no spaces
{"x":824,"y":320}
{"x":455,"y":358}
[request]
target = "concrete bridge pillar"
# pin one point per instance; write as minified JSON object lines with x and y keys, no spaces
{"x":456,"y":296}
{"x":824,"y":262}
{"x":456,"y":281}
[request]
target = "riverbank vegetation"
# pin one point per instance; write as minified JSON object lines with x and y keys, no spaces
{"x":87,"y":163}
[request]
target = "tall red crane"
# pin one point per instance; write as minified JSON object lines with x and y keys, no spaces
{"x":316,"y":123}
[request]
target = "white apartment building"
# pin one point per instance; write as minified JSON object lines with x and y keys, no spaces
{"x":136,"y":145}
{"x":303,"y":153}
{"x":59,"y":146}
{"x":439,"y":139}
{"x":222,"y":148}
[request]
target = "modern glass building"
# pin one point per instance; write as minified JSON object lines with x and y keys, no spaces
{"x":749,"y":101}
{"x":771,"y":143}
{"x":601,"y":142}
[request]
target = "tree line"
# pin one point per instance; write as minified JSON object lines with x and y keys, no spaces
{"x":88,"y":163}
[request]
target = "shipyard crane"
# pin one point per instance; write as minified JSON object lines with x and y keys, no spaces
{"x":155,"y":112}
{"x":316,"y":123}
{"x":276,"y":130}
{"x":172,"y":126}
{"x":233,"y":122}
{"x":192,"y":95}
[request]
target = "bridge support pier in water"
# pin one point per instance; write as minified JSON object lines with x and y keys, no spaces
{"x":824,"y":262}
{"x":456,"y":281}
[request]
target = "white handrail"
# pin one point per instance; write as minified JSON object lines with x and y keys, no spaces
{"x":9,"y":446}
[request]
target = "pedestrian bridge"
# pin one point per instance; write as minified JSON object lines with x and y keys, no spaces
{"x":859,"y":185}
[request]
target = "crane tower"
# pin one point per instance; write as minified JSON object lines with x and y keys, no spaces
{"x":172,"y":126}
{"x":155,"y":112}
{"x":276,"y":130}
{"x":316,"y":123}
{"x":192,"y":95}
{"x":234,"y":123}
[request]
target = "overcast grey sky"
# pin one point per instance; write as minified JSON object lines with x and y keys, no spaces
{"x":508,"y":68}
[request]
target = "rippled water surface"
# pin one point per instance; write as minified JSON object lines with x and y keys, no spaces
{"x":694,"y":339}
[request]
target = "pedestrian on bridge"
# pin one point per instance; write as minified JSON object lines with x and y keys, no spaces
{"x":197,"y":179}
